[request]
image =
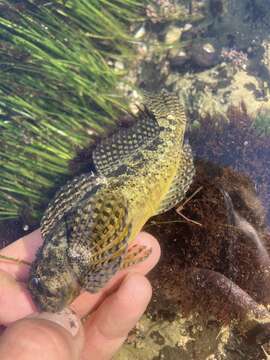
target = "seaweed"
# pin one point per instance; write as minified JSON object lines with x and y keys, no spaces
{"x":216,"y":255}
{"x":58,"y":88}
{"x":241,"y":143}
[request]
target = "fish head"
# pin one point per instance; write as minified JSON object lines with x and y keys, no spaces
{"x":52,"y":287}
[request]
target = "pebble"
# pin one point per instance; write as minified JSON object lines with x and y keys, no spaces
{"x":188,"y":32}
{"x":173,"y":35}
{"x":187,"y":27}
{"x":140,"y":33}
{"x":118,"y":65}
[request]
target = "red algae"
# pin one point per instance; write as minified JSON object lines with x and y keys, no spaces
{"x":218,"y":263}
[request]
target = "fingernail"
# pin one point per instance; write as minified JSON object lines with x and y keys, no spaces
{"x":65,"y":318}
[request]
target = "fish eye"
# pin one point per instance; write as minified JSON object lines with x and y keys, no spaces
{"x":36,"y":283}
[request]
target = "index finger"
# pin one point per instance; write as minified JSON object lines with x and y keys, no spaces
{"x":23,"y":249}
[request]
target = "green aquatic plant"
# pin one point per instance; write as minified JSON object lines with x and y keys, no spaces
{"x":262,"y":122}
{"x":57,"y":88}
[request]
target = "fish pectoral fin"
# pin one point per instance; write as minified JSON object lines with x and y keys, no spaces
{"x":98,"y":276}
{"x":99,"y":268}
{"x":135,"y":254}
{"x":180,"y":183}
{"x":99,"y":231}
{"x":117,"y":149}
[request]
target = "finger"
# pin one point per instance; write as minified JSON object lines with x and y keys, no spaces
{"x":109,"y":326}
{"x":23,"y":249}
{"x":50,"y":336}
{"x":16,"y":302}
{"x":86,"y":302}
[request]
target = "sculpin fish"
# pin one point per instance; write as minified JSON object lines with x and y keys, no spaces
{"x":140,"y":171}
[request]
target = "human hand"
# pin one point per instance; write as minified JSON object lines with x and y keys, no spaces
{"x":114,"y":310}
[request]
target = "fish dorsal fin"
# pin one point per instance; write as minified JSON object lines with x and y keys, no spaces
{"x":180,"y":183}
{"x":164,"y":106}
{"x":113,"y":151}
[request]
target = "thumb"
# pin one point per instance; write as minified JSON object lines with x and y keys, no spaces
{"x":43,"y":336}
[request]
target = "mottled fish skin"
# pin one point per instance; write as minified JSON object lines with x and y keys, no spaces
{"x":90,"y":222}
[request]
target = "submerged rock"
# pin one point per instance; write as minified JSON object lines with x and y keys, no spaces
{"x":173,"y":35}
{"x":178,"y":57}
{"x":204,"y":55}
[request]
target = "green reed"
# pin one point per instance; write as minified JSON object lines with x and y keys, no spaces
{"x":56,"y":88}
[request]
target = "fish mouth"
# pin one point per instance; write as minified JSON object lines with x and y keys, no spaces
{"x":48,"y":302}
{"x":55,"y":304}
